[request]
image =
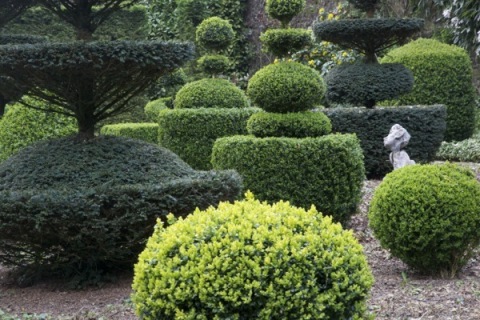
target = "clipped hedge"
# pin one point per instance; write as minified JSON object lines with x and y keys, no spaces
{"x":326,"y":171}
{"x":443,"y":75}
{"x":147,"y":132}
{"x":251,"y":260}
{"x":190,"y":133}
{"x":80,"y":207}
{"x":282,"y":42}
{"x":294,"y":125}
{"x":426,"y":125}
{"x":153,"y":108}
{"x":428,"y":216}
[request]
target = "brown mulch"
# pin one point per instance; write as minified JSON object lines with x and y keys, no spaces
{"x":398,"y":293}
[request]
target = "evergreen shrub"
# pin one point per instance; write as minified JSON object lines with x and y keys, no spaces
{"x":153,"y":108}
{"x":190,"y":133}
{"x":215,"y":34}
{"x":426,"y":125}
{"x":210,"y":93}
{"x":428,"y":216}
{"x":213,"y":64}
{"x":251,"y":260}
{"x":294,"y":125}
{"x":78,"y":207}
{"x":283,"y":42}
{"x":326,"y":171}
{"x":284,"y":10}
{"x":443,"y":75}
{"x":147,"y":132}
{"x":286,"y":87}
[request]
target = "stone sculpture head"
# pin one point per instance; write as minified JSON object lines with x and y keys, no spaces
{"x":397,"y":139}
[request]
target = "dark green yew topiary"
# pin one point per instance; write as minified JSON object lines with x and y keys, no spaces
{"x":250,"y":260}
{"x":284,"y":10}
{"x":286,"y":87}
{"x":294,"y":125}
{"x":210,"y":93}
{"x":215,"y":34}
{"x":363,"y":84}
{"x":282,"y":42}
{"x":428,"y":216}
{"x":214,"y":64}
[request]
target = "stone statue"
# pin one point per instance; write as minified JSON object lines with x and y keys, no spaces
{"x":397,"y":139}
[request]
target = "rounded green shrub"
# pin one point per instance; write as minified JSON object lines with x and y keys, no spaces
{"x":22,"y":126}
{"x":215,"y":34}
{"x":214,"y":64}
{"x":147,"y":132}
{"x":443,"y":75}
{"x":153,"y":108}
{"x":284,"y":10}
{"x":251,"y":260}
{"x":282,"y":42}
{"x":428,"y":216}
{"x":294,"y":125}
{"x":210,"y":93}
{"x":88,"y":206}
{"x":286,"y":87}
{"x":327,"y":171}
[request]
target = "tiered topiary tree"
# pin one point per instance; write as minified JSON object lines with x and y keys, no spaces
{"x":368,"y":82}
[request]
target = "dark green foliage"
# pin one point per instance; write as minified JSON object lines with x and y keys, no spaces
{"x":286,"y":87}
{"x":147,"y":132}
{"x":214,"y":64}
{"x":210,"y":93}
{"x":190,"y":133}
{"x":86,"y":206}
{"x":364,"y":84}
{"x":327,"y":171}
{"x":215,"y":34}
{"x":168,"y":85}
{"x":284,"y":10}
{"x":426,"y":125}
{"x":282,"y":42}
{"x":365,"y":5}
{"x":428,"y":216}
{"x":10,"y":9}
{"x":443,"y":74}
{"x":153,"y":108}
{"x":20,"y":39}
{"x":294,"y":125}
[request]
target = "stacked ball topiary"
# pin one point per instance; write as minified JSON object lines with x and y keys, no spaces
{"x":428,"y":216}
{"x":251,"y":260}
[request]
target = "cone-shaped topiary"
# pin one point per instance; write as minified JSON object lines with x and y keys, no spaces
{"x":215,"y":34}
{"x":428,"y":216}
{"x":284,"y":10}
{"x":251,"y":260}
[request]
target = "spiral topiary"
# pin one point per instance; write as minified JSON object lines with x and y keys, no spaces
{"x":286,"y":87}
{"x":428,"y":216}
{"x":284,"y":10}
{"x":210,"y":93}
{"x":251,"y":260}
{"x":215,"y":34}
{"x":282,"y":42}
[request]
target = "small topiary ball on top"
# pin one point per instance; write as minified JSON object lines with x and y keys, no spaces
{"x":428,"y":216}
{"x":282,"y":42}
{"x":214,"y":34}
{"x":251,"y":260}
{"x":213,"y":64}
{"x":210,"y":93}
{"x":284,"y":10}
{"x":286,"y":87}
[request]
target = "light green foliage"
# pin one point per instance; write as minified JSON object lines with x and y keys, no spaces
{"x":443,"y":75}
{"x":210,"y":93}
{"x":251,"y":260}
{"x":147,"y":132}
{"x":286,"y":87}
{"x":284,"y":10}
{"x":428,"y":216}
{"x":326,"y":171}
{"x":22,"y":126}
{"x":153,"y":108}
{"x":467,"y":150}
{"x":282,"y":42}
{"x":214,"y":64}
{"x":294,"y":125}
{"x":214,"y":34}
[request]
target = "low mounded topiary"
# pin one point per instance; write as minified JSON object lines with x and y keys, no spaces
{"x":147,"y":132}
{"x":283,"y":42}
{"x":294,"y":125}
{"x":79,"y":207}
{"x":251,"y":260}
{"x":327,"y":171}
{"x":286,"y":87}
{"x":428,"y":216}
{"x":210,"y":93}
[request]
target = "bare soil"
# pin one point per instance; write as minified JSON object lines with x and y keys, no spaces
{"x":398,"y":293}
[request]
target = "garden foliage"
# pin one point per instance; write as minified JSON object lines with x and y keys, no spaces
{"x":283,"y":42}
{"x":147,"y":132}
{"x":214,"y":34}
{"x":153,"y":108}
{"x":284,"y":10}
{"x":466,"y":150}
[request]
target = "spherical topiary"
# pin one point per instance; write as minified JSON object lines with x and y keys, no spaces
{"x":153,"y":108}
{"x":22,"y":126}
{"x":282,"y":42}
{"x":213,"y":64}
{"x":286,"y":87}
{"x":294,"y":125}
{"x":210,"y":93}
{"x":428,"y":216}
{"x":284,"y":10}
{"x":443,"y":75}
{"x":251,"y":260}
{"x":215,"y":34}
{"x":366,"y":83}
